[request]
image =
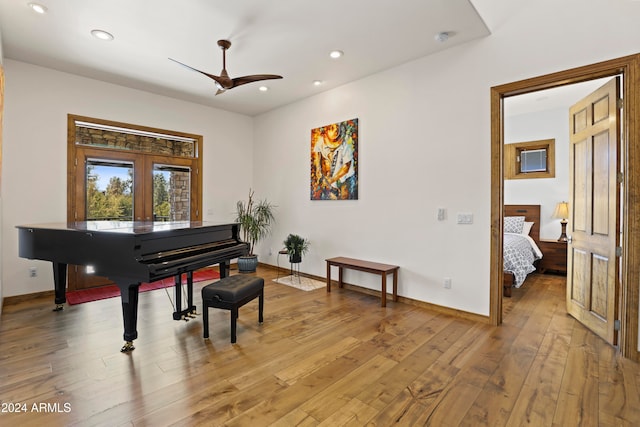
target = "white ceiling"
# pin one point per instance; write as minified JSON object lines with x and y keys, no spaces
{"x":287,"y":37}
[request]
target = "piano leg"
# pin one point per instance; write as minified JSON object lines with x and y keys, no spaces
{"x":60,"y":283}
{"x":191,"y":309}
{"x":177,"y":292}
{"x":129,"y":297}
{"x":185,"y":314}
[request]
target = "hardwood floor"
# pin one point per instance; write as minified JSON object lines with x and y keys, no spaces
{"x":335,"y":359}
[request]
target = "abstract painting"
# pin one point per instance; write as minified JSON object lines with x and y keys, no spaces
{"x":334,"y":161}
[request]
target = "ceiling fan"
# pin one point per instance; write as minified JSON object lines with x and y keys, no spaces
{"x":223,"y":82}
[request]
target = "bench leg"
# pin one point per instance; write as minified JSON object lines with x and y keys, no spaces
{"x":205,"y":320}
{"x":234,"y":320}
{"x":383,"y":302}
{"x":395,"y":284}
{"x":260,"y":306}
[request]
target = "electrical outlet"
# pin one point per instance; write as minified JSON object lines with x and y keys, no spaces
{"x":33,"y":272}
{"x":465,"y":218}
{"x":447,"y":282}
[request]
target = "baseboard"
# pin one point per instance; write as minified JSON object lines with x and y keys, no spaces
{"x":17,"y":299}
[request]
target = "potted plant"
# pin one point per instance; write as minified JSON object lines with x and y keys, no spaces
{"x":255,"y":219}
{"x":296,"y":247}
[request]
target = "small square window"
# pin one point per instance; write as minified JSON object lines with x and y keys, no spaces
{"x":532,"y":159}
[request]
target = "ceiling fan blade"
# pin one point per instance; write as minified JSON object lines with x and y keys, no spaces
{"x":254,"y":78}
{"x":223,"y":81}
{"x":218,"y":79}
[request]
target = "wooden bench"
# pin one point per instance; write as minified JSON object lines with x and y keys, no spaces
{"x":369,"y":267}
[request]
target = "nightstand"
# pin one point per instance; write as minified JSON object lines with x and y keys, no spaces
{"x":554,"y":256}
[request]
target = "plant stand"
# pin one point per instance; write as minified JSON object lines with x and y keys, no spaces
{"x":295,"y":271}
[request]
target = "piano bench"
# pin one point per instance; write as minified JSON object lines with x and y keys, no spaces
{"x":231,"y":293}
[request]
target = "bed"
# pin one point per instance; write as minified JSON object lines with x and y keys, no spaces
{"x":520,"y":249}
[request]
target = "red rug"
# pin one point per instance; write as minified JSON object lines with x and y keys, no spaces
{"x":104,"y":292}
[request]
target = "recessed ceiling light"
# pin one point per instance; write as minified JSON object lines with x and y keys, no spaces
{"x":317,"y":82}
{"x":102,"y":35}
{"x":336,"y":54}
{"x":38,"y":8}
{"x":263,"y":88}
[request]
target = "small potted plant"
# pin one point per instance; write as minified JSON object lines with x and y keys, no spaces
{"x":255,"y":219}
{"x":296,"y":247}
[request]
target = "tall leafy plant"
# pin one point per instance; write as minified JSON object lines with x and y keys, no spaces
{"x":255,"y":219}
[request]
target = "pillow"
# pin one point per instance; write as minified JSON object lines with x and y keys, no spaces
{"x":526,"y":228}
{"x":513,"y":224}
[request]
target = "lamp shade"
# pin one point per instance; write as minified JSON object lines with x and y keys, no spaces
{"x":562,"y":211}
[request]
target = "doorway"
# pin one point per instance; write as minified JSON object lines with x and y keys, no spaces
{"x":544,"y":114}
{"x":122,"y":172}
{"x":628,"y":67}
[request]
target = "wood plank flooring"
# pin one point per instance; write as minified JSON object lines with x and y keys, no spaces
{"x":318,"y":359}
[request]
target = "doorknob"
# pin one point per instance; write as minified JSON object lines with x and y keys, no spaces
{"x":569,"y":238}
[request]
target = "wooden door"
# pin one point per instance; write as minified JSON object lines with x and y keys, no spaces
{"x":592,"y":276}
{"x":94,"y":169}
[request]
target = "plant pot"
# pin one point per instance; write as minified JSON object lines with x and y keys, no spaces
{"x":247,"y":264}
{"x":295,"y":258}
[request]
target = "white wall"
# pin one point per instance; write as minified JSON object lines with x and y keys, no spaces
{"x":547,"y":192}
{"x":37,"y":101}
{"x":425,"y":144}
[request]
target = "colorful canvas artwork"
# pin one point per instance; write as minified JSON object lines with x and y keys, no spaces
{"x":334,"y":161}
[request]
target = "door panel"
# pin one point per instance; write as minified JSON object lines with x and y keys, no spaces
{"x":601,"y":174}
{"x":580,"y":179}
{"x":592,"y":286}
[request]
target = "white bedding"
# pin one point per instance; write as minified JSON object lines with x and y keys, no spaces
{"x":520,"y":252}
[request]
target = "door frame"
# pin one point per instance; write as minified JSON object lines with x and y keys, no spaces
{"x":144,"y":161}
{"x":629,"y":68}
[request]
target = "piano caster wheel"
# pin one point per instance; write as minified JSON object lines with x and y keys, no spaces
{"x":127,"y":347}
{"x":59,"y":307}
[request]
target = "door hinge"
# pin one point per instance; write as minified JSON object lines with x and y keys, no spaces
{"x":620,"y":177}
{"x":620,"y":103}
{"x":616,"y":325}
{"x":618,"y":251}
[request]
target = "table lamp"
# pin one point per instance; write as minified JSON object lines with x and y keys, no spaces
{"x":562,"y":212}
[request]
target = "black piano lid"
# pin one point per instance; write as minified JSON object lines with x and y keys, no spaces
{"x":125,"y":227}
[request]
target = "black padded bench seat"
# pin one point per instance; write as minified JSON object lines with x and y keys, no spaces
{"x":231,"y":293}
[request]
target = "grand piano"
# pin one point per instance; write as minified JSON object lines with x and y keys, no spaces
{"x":130,"y":253}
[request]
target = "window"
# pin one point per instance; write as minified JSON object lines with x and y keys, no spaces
{"x":120,"y":171}
{"x":532,"y":159}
